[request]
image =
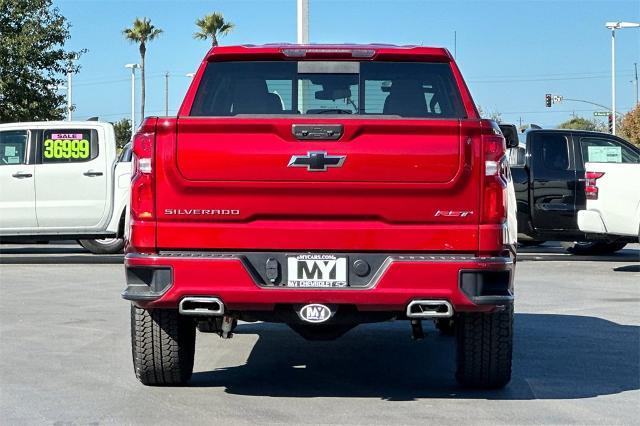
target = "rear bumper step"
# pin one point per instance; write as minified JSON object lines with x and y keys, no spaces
{"x":238,"y":283}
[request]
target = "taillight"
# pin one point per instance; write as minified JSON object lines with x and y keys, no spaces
{"x":591,"y":187}
{"x":496,"y":177}
{"x":142,"y":180}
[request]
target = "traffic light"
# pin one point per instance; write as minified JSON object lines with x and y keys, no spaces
{"x":611,"y":123}
{"x":547,"y":100}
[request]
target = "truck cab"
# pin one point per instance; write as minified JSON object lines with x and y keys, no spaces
{"x":549,"y":179}
{"x":60,"y":182}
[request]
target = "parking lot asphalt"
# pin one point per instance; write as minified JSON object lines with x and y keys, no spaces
{"x":66,"y":359}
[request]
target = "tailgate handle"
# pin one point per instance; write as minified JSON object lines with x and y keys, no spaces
{"x":317,"y":131}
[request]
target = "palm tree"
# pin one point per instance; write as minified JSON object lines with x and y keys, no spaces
{"x":142,"y":32}
{"x":213,"y":26}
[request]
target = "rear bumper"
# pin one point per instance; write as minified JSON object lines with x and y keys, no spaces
{"x":469,"y":283}
{"x":590,"y":221}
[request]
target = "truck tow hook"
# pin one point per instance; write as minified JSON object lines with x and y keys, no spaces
{"x":417,"y":333}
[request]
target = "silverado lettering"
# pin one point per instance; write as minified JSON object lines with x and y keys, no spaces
{"x":171,"y":212}
{"x":367,"y":239}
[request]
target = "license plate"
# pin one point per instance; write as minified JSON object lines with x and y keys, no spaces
{"x":317,"y":270}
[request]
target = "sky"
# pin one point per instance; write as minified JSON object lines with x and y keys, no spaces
{"x":511,"y":52}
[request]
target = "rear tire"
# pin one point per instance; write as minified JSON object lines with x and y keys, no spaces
{"x":162,"y":346}
{"x":103,"y":246}
{"x":485,"y":348}
{"x":594,"y":247}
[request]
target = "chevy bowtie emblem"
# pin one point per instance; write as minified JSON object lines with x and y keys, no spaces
{"x":317,"y":161}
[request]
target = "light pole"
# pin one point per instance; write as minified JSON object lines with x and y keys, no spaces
{"x":613,"y":26}
{"x":302,"y":37}
{"x":70,"y":71}
{"x":635,"y":80}
{"x":166,"y":94}
{"x":303,"y":21}
{"x":69,"y":94}
{"x":133,"y":96}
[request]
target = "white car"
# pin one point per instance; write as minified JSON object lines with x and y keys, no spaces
{"x":613,"y":197}
{"x":62,"y":180}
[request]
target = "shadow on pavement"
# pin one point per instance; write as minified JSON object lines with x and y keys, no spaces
{"x":50,"y":254}
{"x":628,"y":268}
{"x":559,"y":254}
{"x":555,"y":357}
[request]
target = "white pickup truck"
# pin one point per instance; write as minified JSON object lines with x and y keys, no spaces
{"x":613,"y":197}
{"x":63,"y":180}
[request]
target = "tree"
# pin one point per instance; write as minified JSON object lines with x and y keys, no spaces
{"x":33,"y":60}
{"x":213,"y":26}
{"x":630,"y":126}
{"x":491,"y":115}
{"x":578,"y":123}
{"x":142,"y":32}
{"x":122,"y":130}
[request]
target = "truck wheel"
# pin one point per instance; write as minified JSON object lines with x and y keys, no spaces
{"x":103,"y":246}
{"x":594,"y":247}
{"x":162,"y":346}
{"x":484,"y":346}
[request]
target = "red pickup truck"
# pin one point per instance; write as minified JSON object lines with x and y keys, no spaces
{"x":321,"y":186}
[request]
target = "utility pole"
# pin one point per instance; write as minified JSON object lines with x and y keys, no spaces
{"x":303,"y":22}
{"x":166,"y":94}
{"x":133,"y":67}
{"x":455,"y":45}
{"x":69,"y":96}
{"x":302,"y":38}
{"x":635,"y":80}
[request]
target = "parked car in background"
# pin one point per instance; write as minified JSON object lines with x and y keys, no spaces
{"x":62,"y":180}
{"x":548,"y":169}
{"x":613,"y":195}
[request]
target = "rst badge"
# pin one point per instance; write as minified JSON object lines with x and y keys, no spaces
{"x":453,"y":213}
{"x":315,"y":313}
{"x":316,"y":270}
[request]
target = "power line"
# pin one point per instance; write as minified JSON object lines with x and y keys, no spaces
{"x":492,"y":79}
{"x":539,"y":79}
{"x":556,"y":111}
{"x":608,"y":72}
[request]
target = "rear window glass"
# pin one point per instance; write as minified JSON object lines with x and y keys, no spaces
{"x":555,"y":150}
{"x":394,"y":89}
{"x":69,"y":145}
{"x":603,"y":150}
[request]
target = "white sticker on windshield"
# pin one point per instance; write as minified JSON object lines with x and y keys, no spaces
{"x":9,"y":151}
{"x":13,"y":160}
{"x":605,"y":154}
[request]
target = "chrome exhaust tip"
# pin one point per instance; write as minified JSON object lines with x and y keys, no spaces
{"x":426,"y":308}
{"x":201,"y":306}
